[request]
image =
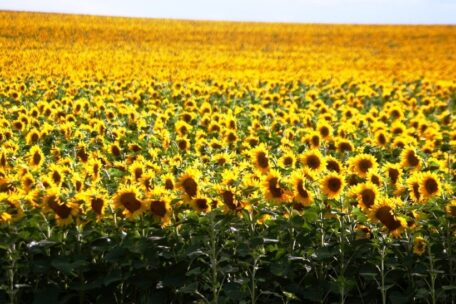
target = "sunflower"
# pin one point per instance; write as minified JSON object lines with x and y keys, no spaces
{"x":301,"y":194}
{"x":409,"y":158}
{"x":313,"y":160}
{"x":188,"y":183}
{"x":158,"y":204}
{"x":272,"y":188}
{"x":229,"y":199}
{"x":381,"y":138}
{"x":136,"y":169}
{"x":451,"y":208}
{"x":324,"y":129}
{"x":332,"y":185}
{"x":394,"y":173}
{"x":63,"y":211}
{"x":384,"y":212}
{"x":366,"y":194}
{"x":168,"y":181}
{"x":36,"y":157}
{"x":413,"y":185}
{"x":344,"y":145}
{"x":362,"y":163}
{"x":96,"y":201}
{"x":93,"y":169}
{"x":27,"y":182}
{"x":33,"y":136}
{"x":201,"y":204}
{"x":56,"y":175}
{"x":260,"y":158}
{"x":128,"y":200}
{"x":419,"y":245}
{"x":287,"y":160}
{"x":429,"y":185}
{"x":333,"y":164}
{"x":10,"y":207}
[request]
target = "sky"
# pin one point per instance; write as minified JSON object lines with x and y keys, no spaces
{"x":302,"y":11}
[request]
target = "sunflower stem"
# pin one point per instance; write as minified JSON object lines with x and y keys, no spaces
{"x":382,"y":273}
{"x":432,"y":274}
{"x":213,"y":257}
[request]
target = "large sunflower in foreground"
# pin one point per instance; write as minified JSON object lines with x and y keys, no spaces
{"x":128,"y":199}
{"x":332,"y":185}
{"x":384,"y":212}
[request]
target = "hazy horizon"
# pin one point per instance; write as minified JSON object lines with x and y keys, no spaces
{"x":294,"y":11}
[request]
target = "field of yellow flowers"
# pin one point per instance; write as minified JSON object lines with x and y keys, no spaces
{"x":160,"y":161}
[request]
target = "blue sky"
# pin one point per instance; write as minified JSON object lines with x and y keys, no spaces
{"x":306,"y":11}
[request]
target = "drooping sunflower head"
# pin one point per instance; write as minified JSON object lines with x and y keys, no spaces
{"x":128,"y":199}
{"x":384,"y":212}
{"x":273,"y":189}
{"x":332,"y":185}
{"x":362,"y":163}
{"x":313,"y":160}
{"x":301,"y":194}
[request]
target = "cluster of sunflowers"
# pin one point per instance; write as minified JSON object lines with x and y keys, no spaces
{"x":83,"y":150}
{"x":266,"y":146}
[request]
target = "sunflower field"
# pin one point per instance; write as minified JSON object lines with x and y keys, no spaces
{"x":159,"y":161}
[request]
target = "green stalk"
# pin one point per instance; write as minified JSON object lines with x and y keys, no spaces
{"x":213,"y":258}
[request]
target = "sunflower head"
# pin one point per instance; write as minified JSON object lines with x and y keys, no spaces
{"x":313,"y":160}
{"x":409,"y":158}
{"x":273,"y":189}
{"x":300,"y":193}
{"x":128,"y":200}
{"x":260,"y":158}
{"x":332,"y":185}
{"x":429,"y":185}
{"x":366,"y":194}
{"x":188,"y":183}
{"x":384,"y":212}
{"x":362,"y":163}
{"x":419,"y":245}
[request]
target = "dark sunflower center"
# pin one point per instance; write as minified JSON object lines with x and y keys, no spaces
{"x":56,"y":177}
{"x":138,"y":173}
{"x":315,"y":141}
{"x":63,"y":211}
{"x":416,"y":191}
{"x":115,"y":150}
{"x":431,"y":186}
{"x":313,"y":161}
{"x":345,"y":147}
{"x":228,"y":199}
{"x":169,"y":184}
{"x":393,"y":175}
{"x":130,"y":202}
{"x":82,"y":155}
{"x":274,"y":189}
{"x":412,"y":159}
{"x":97,"y":205}
{"x":288,"y":161}
{"x":375,"y":180}
{"x":368,"y":197}
{"x":158,"y":208}
{"x":334,"y":184}
{"x":182,"y":144}
{"x":381,"y":139}
{"x":201,"y":204}
{"x":302,"y":192}
{"x":385,"y":216}
{"x":36,"y":158}
{"x":365,"y":165}
{"x":332,"y":165}
{"x":190,"y":186}
{"x":262,"y":160}
{"x":324,"y":131}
